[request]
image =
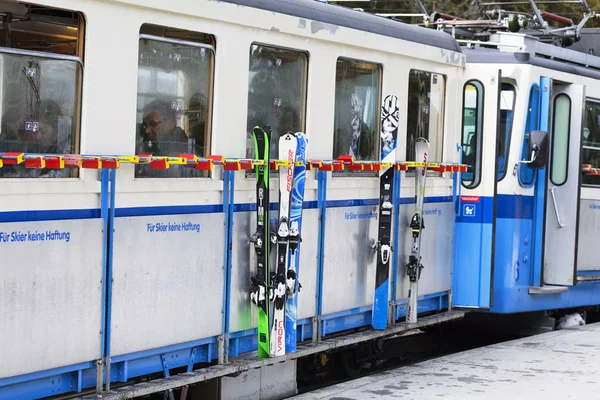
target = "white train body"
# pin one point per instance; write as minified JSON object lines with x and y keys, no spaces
{"x":149,"y":268}
{"x":165,"y":253}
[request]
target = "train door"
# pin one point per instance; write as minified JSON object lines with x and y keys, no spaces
{"x":561,"y":213}
{"x":475,"y":214}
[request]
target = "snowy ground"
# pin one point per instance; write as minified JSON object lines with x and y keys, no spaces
{"x":558,"y":365}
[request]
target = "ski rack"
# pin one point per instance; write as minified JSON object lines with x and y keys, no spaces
{"x":54,"y":161}
{"x":109,"y":164}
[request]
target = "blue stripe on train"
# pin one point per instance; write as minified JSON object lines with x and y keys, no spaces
{"x":509,"y":206}
{"x":48,"y":215}
{"x":53,"y":215}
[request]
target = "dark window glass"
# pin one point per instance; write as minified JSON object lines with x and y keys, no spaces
{"x":591,"y":141}
{"x":560,"y":139}
{"x":472,"y":136}
{"x":526,"y":174}
{"x":40,"y":88}
{"x":276,"y":93}
{"x":357,"y":118}
{"x":426,"y":99}
{"x":175,"y":80}
{"x":507,"y":106}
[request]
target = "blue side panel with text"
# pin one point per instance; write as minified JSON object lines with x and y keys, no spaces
{"x":473,"y":254}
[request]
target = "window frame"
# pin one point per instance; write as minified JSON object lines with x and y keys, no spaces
{"x":508,"y":135}
{"x":77,"y":128}
{"x":582,"y":147}
{"x":523,"y":168}
{"x":442,"y":125}
{"x":251,"y":173}
{"x":41,"y":54}
{"x":560,"y":95}
{"x":148,"y":36}
{"x":78,"y":106}
{"x":479,"y":118}
{"x":376,"y":129}
{"x":211,"y":92}
{"x":201,"y":45}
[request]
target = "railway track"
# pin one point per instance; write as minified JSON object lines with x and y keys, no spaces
{"x":323,"y":370}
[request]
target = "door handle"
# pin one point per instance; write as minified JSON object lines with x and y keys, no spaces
{"x":560,"y":225}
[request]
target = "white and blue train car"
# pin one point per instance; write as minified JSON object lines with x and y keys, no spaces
{"x":525,"y":236}
{"x":138,"y":270}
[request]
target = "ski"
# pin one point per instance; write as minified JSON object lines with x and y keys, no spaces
{"x":260,"y":283}
{"x":389,"y":132}
{"x":414,"y":266}
{"x":287,"y":152}
{"x":293,"y":285}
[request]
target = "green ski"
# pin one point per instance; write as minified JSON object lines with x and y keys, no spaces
{"x":260,"y":283}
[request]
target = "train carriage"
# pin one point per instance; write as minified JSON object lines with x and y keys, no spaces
{"x":125,"y":238}
{"x":529,"y":215}
{"x":135,"y":270}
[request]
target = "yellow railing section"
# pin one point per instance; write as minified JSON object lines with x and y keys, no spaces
{"x":55,"y":161}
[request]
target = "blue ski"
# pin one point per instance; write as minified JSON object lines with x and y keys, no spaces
{"x":389,"y":132}
{"x":293,"y":287}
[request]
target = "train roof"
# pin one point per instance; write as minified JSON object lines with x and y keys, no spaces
{"x":513,"y":48}
{"x":342,"y":16}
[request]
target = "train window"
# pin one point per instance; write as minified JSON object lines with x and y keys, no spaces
{"x":591,"y":141}
{"x":426,"y":97}
{"x":560,"y":139}
{"x":356,"y":123}
{"x":472,"y":136}
{"x":276,"y":93}
{"x":175,"y":82}
{"x":507,"y":107}
{"x":40,"y":84}
{"x":526,"y":174}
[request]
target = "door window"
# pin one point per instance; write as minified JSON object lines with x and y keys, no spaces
{"x":472,"y":135}
{"x":507,"y":106}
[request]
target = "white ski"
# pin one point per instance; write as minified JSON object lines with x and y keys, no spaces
{"x":414,"y":266}
{"x":287,"y":151}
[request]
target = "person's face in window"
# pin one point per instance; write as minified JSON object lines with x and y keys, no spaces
{"x":47,"y":136}
{"x":168,"y":123}
{"x":152,"y":122}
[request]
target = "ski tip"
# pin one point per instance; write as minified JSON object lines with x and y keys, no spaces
{"x":266,"y":130}
{"x":301,"y":137}
{"x":289,"y":135}
{"x":393,"y":99}
{"x":422,"y":139}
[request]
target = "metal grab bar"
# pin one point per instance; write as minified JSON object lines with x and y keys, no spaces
{"x":560,"y":225}
{"x":457,"y":184}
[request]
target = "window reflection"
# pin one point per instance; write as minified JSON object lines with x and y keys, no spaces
{"x":276,"y":93}
{"x":472,"y":133}
{"x":39,"y":109}
{"x":591,"y":140}
{"x":507,"y":105}
{"x":426,"y":98}
{"x":356,"y":124}
{"x":174,"y":92}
